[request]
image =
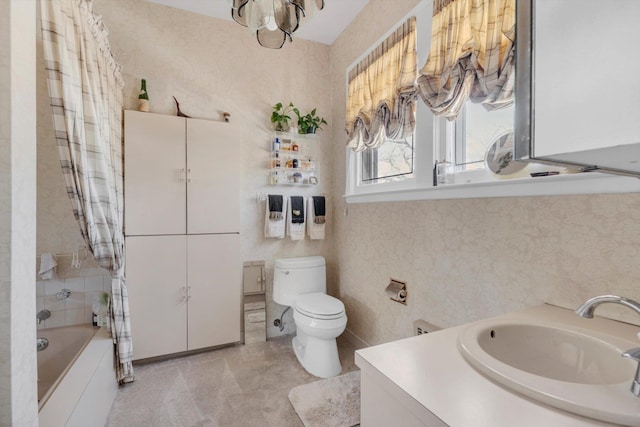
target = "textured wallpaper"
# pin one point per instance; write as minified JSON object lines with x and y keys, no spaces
{"x":465,"y":260}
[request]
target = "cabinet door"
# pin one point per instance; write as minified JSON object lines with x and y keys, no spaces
{"x":583,"y":82}
{"x":156,"y":279}
{"x":154,"y":174}
{"x":213,"y":190}
{"x":215,"y":280}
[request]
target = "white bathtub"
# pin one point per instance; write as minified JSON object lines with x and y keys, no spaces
{"x":76,"y":378}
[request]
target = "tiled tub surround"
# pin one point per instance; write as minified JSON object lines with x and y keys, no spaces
{"x":86,"y":286}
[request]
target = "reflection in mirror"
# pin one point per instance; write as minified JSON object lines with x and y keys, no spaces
{"x":254,"y":302}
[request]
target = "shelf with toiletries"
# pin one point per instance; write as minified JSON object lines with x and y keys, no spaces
{"x":291,"y":162}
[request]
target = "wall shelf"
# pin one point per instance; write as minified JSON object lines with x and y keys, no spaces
{"x":290,"y":162}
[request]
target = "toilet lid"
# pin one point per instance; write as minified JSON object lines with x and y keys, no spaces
{"x":319,"y":305}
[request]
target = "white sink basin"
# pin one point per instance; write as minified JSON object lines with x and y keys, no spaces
{"x":569,"y":368}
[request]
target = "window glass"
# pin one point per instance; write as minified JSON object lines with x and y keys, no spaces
{"x":393,"y":160}
{"x":476,"y":129}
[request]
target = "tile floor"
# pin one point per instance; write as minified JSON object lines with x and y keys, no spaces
{"x":244,"y":385}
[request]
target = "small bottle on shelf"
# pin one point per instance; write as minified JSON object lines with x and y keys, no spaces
{"x":143,"y":97}
{"x":294,"y":147}
{"x":276,"y":145}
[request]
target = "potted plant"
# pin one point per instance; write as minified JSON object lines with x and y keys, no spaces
{"x":310,"y":122}
{"x":280,"y":116}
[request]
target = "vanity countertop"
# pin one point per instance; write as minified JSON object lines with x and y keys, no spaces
{"x":430,"y":376}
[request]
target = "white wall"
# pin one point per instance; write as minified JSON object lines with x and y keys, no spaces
{"x":465,"y":260}
{"x":18,"y":403}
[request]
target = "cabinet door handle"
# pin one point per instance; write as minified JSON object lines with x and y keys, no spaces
{"x":183,"y":298}
{"x":189,"y":175}
{"x":183,"y":175}
{"x":188,"y":293}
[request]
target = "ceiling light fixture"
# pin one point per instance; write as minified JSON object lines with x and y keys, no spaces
{"x":273,"y":21}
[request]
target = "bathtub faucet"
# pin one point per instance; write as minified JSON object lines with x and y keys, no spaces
{"x":43,"y":315}
{"x":586,"y":310}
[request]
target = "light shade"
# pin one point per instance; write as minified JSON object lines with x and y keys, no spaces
{"x":273,"y":21}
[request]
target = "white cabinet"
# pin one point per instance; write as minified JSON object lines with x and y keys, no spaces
{"x":183,"y":267}
{"x":154,"y":174}
{"x":184,"y":292}
{"x":213,"y":180}
{"x":181,"y":175}
{"x":157,"y":281}
{"x":578,"y":95}
{"x":214,"y":290}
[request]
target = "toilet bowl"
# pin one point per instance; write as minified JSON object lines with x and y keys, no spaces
{"x":319,"y":318}
{"x":317,"y":329}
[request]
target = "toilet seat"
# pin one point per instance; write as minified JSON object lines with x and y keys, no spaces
{"x":319,"y":306}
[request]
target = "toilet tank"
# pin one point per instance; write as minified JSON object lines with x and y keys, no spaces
{"x":294,"y":276}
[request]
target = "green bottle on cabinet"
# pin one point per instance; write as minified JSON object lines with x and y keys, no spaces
{"x":143,"y":97}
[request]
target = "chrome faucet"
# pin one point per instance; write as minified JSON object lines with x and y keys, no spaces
{"x":42,"y":315}
{"x":586,"y":310}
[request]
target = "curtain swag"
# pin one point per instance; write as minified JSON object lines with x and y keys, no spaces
{"x":85,"y":89}
{"x":471,"y":57}
{"x":381,"y":91}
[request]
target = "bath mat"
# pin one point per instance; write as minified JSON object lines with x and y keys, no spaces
{"x":334,"y":402}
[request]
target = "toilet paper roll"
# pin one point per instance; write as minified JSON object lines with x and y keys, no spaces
{"x":397,"y":291}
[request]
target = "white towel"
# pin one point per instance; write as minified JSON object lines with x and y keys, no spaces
{"x":47,"y":266}
{"x":275,"y":228}
{"x":295,"y":231}
{"x":315,"y":231}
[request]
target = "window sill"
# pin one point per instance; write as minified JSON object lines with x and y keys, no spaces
{"x":566,"y":184}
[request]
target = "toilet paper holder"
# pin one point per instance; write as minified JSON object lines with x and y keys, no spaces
{"x":397,"y":291}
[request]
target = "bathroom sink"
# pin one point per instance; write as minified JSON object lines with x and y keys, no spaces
{"x":563,"y":366}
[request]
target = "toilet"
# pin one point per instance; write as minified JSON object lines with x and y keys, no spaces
{"x":301,"y":284}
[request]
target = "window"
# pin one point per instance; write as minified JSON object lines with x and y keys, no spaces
{"x":381,"y":110}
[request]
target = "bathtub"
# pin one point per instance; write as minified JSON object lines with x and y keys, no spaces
{"x":76,"y":377}
{"x":65,"y":345}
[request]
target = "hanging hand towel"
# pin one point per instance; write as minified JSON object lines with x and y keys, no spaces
{"x":273,"y":227}
{"x":276,"y":211}
{"x":315,"y":229}
{"x":47,"y":266}
{"x":319,"y":210}
{"x":295,"y":221}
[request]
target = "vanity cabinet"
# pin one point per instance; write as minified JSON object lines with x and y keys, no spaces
{"x":577,"y":90}
{"x":183,"y":264}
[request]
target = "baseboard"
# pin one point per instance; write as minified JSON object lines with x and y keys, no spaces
{"x":354,"y":340}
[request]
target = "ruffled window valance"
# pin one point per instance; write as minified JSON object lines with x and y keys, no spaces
{"x":382,"y":92}
{"x":471,"y":57}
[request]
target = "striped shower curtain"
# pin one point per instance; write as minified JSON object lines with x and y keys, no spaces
{"x":85,"y":88}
